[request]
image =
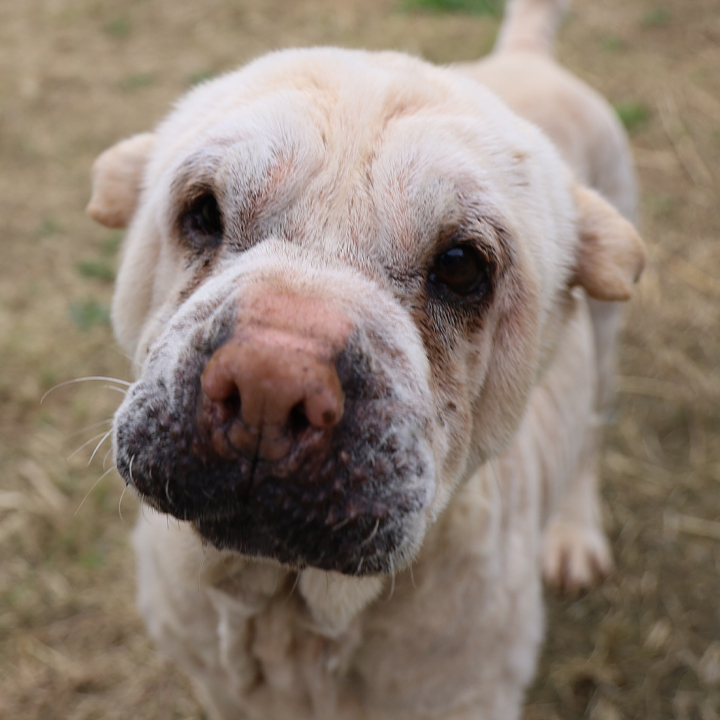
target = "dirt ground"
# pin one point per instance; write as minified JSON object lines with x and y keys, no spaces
{"x":75,"y":76}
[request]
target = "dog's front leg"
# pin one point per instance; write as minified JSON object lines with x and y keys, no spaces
{"x":576,"y":551}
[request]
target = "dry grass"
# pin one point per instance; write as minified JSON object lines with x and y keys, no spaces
{"x":75,"y":75}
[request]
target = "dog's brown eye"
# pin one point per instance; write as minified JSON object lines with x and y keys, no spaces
{"x":462,"y":270}
{"x":202,"y":222}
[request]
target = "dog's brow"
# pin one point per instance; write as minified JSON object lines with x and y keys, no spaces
{"x":494,"y":238}
{"x":480,"y":227}
{"x":196,"y":170}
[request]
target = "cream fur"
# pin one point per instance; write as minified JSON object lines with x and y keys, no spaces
{"x":453,"y":632}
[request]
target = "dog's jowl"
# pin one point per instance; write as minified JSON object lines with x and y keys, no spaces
{"x":374,"y":308}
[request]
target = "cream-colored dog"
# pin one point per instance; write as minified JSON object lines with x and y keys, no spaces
{"x":357,"y":289}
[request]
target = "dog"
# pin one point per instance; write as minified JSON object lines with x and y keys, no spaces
{"x":373,"y":304}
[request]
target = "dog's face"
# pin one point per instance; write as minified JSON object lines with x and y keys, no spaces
{"x":343,"y":276}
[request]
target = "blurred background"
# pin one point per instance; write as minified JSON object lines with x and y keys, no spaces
{"x":78,"y":75}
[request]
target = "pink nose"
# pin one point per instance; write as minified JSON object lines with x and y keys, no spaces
{"x":269,"y":384}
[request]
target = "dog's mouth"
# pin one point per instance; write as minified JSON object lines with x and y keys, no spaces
{"x":347,"y":535}
{"x":351,"y":499}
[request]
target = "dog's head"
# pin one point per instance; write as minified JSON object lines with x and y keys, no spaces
{"x":344,"y":273}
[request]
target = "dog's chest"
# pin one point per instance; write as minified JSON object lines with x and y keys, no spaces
{"x":417,"y":647}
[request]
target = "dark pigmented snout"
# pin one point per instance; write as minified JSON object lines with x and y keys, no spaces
{"x":265,"y":386}
{"x":279,"y":433}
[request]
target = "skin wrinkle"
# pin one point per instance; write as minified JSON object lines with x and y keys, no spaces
{"x":200,"y":274}
{"x":256,"y":207}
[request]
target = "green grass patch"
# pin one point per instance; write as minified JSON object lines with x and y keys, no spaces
{"x":91,"y":559}
{"x":96,"y":269}
{"x":137,"y":81}
{"x":48,"y":378}
{"x":118,"y":27}
{"x":656,"y":17}
{"x":470,"y":7}
{"x":662,"y":204}
{"x":89,"y":313}
{"x":111,"y":245}
{"x":633,"y":115}
{"x":48,"y":227}
{"x":613,"y":43}
{"x":200,"y":76}
{"x":45,"y":417}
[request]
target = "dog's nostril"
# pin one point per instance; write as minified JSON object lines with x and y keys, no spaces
{"x":232,"y":404}
{"x":298,"y":420}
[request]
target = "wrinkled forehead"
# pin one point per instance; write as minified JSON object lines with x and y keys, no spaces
{"x":346,"y":150}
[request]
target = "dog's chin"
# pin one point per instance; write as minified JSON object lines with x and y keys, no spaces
{"x":364,"y":546}
{"x":356,"y":536}
{"x":356,"y":518}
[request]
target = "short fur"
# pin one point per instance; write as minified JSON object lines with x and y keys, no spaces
{"x":389,"y":566}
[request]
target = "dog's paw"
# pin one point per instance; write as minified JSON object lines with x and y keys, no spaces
{"x":575,"y":557}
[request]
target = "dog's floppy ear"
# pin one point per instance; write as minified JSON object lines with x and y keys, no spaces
{"x":611,"y":254}
{"x":116,"y":180}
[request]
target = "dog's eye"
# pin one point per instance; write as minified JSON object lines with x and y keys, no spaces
{"x":462,"y":270}
{"x":202,"y":222}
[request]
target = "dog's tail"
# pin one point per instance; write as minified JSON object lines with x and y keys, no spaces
{"x":530,"y":25}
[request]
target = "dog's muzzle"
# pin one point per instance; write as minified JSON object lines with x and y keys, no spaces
{"x":281,"y":442}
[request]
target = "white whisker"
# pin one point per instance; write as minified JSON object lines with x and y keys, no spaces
{"x":392,"y":580}
{"x":369,"y":538}
{"x":122,"y":495}
{"x":97,"y":447}
{"x":120,"y":353}
{"x":292,"y":589}
{"x":106,"y":456}
{"x":89,"y":427}
{"x":116,"y":389}
{"x":85,"y":379}
{"x":85,"y":444}
{"x":94,"y":485}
